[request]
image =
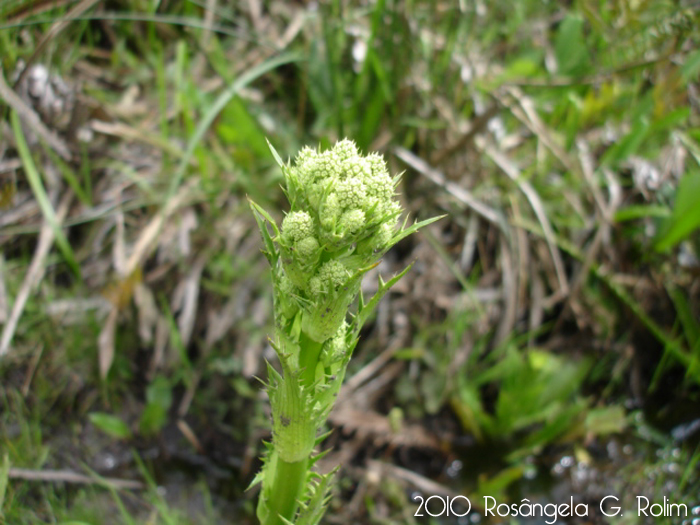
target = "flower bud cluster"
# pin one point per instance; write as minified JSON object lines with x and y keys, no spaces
{"x":348,"y":195}
{"x":343,"y":218}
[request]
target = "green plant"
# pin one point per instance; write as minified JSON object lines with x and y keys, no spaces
{"x":343,"y":219}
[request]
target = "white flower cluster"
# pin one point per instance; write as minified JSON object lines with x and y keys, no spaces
{"x":343,"y":218}
{"x":349,"y":195}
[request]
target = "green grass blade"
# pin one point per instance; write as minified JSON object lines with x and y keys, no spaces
{"x":686,"y":214}
{"x":4,"y":476}
{"x":642,"y":211}
{"x":40,"y":194}
{"x":672,"y":346}
{"x":70,"y":177}
{"x":218,"y":106}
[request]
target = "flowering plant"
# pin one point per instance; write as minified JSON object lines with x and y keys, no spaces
{"x":343,"y":219}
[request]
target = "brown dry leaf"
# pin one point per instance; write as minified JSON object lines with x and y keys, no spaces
{"x":121,"y":292}
{"x":368,"y":424}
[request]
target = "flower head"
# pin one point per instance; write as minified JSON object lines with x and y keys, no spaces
{"x":351,"y":195}
{"x":297,"y":225}
{"x":343,"y":219}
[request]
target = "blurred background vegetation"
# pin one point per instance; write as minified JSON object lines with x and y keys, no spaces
{"x":546,"y":343}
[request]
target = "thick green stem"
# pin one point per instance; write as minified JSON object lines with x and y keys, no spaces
{"x":284,"y":482}
{"x":288,"y":481}
{"x":310,"y":351}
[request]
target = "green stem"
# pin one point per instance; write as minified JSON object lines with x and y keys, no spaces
{"x":287,"y":480}
{"x":287,"y":486}
{"x":309,"y":353}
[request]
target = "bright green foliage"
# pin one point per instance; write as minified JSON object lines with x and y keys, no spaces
{"x":343,"y":219}
{"x":686,"y":213}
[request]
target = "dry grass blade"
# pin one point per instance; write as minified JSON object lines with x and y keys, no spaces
{"x":533,"y":198}
{"x":4,"y":304}
{"x":129,"y":133}
{"x":189,"y":301}
{"x":147,"y":312}
{"x":510,"y":293}
{"x":367,"y":424}
{"x":34,"y":274}
{"x":68,"y":476}
{"x":33,"y":364}
{"x":40,"y":195}
{"x":55,"y":29}
{"x":462,"y":195}
{"x":30,"y":117}
{"x":526,"y":113}
{"x":463,"y":142}
{"x":175,"y":195}
{"x":586,"y":159}
{"x":7,"y":166}
{"x":209,"y":13}
{"x":149,"y":234}
{"x":367,"y":372}
{"x":31,"y":8}
{"x":105,"y":342}
{"x":190,"y":436}
{"x":414,"y":479}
